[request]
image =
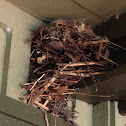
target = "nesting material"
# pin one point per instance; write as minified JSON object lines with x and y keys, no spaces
{"x":63,"y":53}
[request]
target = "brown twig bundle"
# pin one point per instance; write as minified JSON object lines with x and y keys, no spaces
{"x":63,"y":53}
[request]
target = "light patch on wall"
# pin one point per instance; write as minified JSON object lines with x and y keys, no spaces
{"x":8,"y":29}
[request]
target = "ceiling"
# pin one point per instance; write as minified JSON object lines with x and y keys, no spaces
{"x":92,"y":11}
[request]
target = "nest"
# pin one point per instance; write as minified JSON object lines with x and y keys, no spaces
{"x":63,"y":53}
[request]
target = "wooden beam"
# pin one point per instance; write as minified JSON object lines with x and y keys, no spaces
{"x":23,"y":112}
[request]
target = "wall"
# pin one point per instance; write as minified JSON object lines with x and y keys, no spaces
{"x":21,"y":24}
{"x":119,"y":119}
{"x":84,"y":118}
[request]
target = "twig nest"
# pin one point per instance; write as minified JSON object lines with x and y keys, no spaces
{"x":63,"y":54}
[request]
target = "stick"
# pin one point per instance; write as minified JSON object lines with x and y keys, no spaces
{"x":50,"y":82}
{"x":82,"y":74}
{"x":40,"y":105}
{"x":103,"y":96}
{"x":108,"y":59}
{"x":55,"y":120}
{"x":85,"y":93}
{"x":46,"y":117}
{"x":37,"y":81}
{"x":83,"y":64}
{"x":47,"y":84}
{"x":96,"y":42}
{"x":118,"y":46}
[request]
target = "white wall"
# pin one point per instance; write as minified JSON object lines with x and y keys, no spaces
{"x":21,"y":24}
{"x":84,"y":118}
{"x":119,"y":119}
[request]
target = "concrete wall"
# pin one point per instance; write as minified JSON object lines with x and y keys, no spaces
{"x":119,"y":119}
{"x":21,"y":24}
{"x":84,"y":118}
